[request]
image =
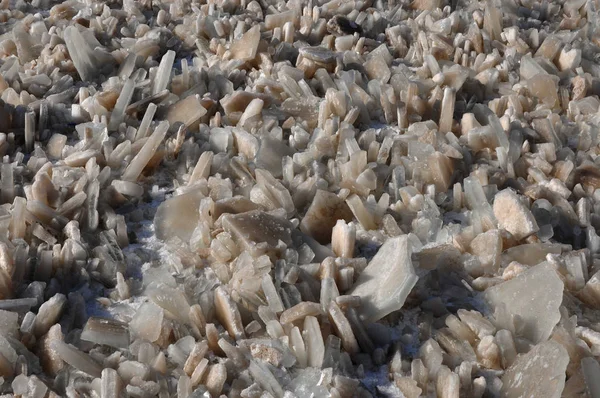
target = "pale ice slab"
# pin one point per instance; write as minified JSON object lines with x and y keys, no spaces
{"x":386,"y":282}
{"x":140,"y":161}
{"x":77,"y":358}
{"x":533,"y":296}
{"x":106,"y":331}
{"x":178,"y":216}
{"x":80,"y":52}
{"x":257,"y":231}
{"x":245,"y":48}
{"x":322,"y":215}
{"x":187,"y":111}
{"x":591,"y":374}
{"x":147,"y":322}
{"x":539,"y":373}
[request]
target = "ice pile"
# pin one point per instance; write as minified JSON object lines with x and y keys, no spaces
{"x":299,"y":198}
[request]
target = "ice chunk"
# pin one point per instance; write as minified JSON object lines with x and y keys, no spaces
{"x":343,"y":239}
{"x":447,"y":112}
{"x":187,"y":111}
{"x":237,"y":101}
{"x":163,"y":74}
{"x":49,"y":314}
{"x":252,"y":111}
{"x":49,"y":359}
{"x":234,"y":205}
{"x":270,"y":155}
{"x":386,"y":282}
{"x":343,"y":328}
{"x":29,"y":387}
{"x":147,"y":322}
{"x":569,"y":60}
{"x":110,"y":384}
{"x":172,"y":300}
{"x":271,"y":294}
{"x":313,"y":340}
{"x":530,"y":68}
{"x":487,"y":247}
{"x":178,"y":216}
{"x":279,"y":19}
{"x":9,"y":323}
{"x":539,"y":373}
{"x":106,"y":331}
{"x":476,"y":200}
{"x":300,"y":311}
{"x":263,"y":376}
{"x":76,"y":358}
{"x":377,"y":68}
{"x":142,"y":131}
{"x":591,"y":375}
{"x":534,"y":296}
{"x":441,"y":170}
{"x":228,"y":313}
{"x":55,"y":145}
{"x":139,"y":162}
{"x":545,"y":88}
{"x":118,"y":113}
{"x":363,"y":214}
{"x":245,"y":47}
{"x":530,"y":254}
{"x":258,"y":231}
{"x":130,"y":369}
{"x":81,"y":53}
{"x":513,"y":215}
{"x":29,"y":130}
{"x":492,"y":21}
{"x":550,"y":47}
{"x":276,"y":194}
{"x":320,"y":54}
{"x":322,"y":215}
{"x":217,"y":375}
